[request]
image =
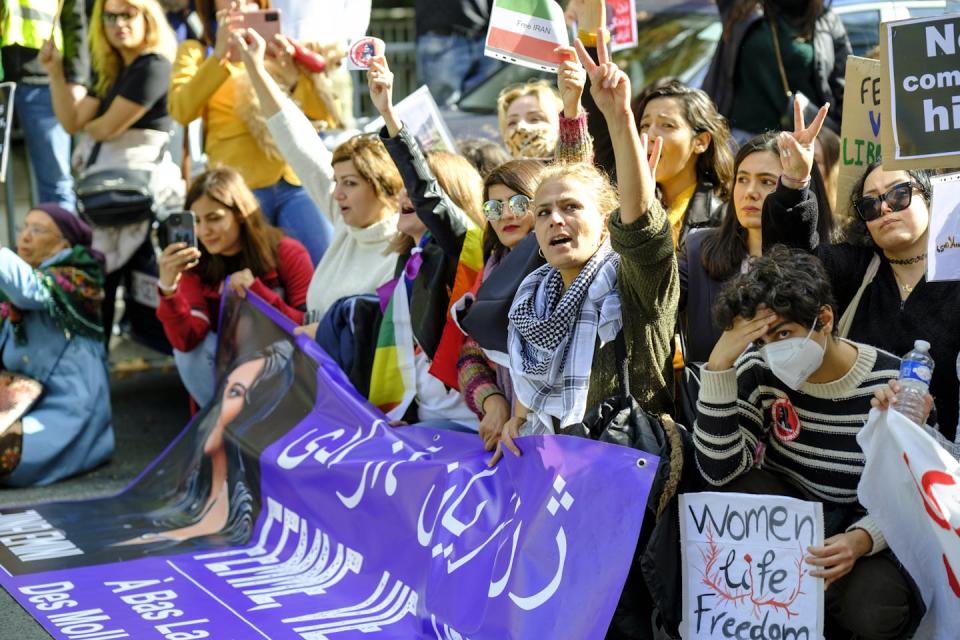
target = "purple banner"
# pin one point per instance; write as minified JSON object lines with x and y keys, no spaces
{"x":290,"y":509}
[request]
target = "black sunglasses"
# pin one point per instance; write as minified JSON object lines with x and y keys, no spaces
{"x":519,"y":204}
{"x":898,"y":198}
{"x":109,"y":17}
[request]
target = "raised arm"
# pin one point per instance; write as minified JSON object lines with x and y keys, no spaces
{"x":446,"y":221}
{"x":71,"y":104}
{"x":636,"y":159}
{"x":296,"y":138}
{"x":575,"y":143}
{"x":790,"y":214}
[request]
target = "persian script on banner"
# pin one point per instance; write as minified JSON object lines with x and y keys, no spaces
{"x":911,"y":486}
{"x":943,"y":239}
{"x":290,"y":509}
{"x":745,"y":573}
{"x":526,"y":32}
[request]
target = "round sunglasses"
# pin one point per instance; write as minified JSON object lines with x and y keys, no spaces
{"x":898,"y":198}
{"x":494,"y":209}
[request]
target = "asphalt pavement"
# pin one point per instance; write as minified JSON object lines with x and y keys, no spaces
{"x":150,"y":408}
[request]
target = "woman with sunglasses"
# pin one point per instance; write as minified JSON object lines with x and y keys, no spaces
{"x":878,"y":276}
{"x":486,"y":386}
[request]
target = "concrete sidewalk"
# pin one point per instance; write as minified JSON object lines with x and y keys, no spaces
{"x":150,"y":407}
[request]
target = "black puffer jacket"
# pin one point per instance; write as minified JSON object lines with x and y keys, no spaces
{"x":830,"y":50}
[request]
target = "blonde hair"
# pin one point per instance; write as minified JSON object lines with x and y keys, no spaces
{"x":462,"y":184}
{"x":542,"y":90}
{"x":159,"y":38}
{"x":603,"y":194}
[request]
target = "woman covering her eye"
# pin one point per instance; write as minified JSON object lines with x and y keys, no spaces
{"x":713,"y":256}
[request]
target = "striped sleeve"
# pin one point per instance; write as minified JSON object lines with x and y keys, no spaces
{"x":729,"y":421}
{"x":575,"y":143}
{"x":478,"y":381}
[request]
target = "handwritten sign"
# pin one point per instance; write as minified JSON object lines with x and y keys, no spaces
{"x":419,"y":112}
{"x":860,"y":131}
{"x":745,"y":573}
{"x":622,"y":23}
{"x":7,"y":90}
{"x":943,"y":241}
{"x":921,"y":85}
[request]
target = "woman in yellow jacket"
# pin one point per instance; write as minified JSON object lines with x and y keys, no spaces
{"x":208,"y":83}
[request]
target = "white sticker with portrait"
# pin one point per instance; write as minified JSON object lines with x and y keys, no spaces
{"x":943,"y":240}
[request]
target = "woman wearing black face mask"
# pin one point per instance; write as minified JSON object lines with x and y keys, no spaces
{"x":768,"y":44}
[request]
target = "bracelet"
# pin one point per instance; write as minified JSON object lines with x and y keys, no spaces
{"x":167,"y":290}
{"x":794,"y":182}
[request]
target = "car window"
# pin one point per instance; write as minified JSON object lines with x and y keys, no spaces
{"x":863,"y":29}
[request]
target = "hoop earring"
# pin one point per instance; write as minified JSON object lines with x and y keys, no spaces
{"x":540,"y":251}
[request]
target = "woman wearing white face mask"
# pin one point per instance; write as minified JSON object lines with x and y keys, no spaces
{"x":783,"y":417}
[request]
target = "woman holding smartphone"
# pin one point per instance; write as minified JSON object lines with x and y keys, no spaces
{"x":235,"y":242}
{"x":208,"y":82}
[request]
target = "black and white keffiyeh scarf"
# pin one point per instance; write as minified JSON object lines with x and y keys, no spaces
{"x":553,"y":334}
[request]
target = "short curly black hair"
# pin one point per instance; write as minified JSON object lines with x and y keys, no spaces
{"x":791,"y":282}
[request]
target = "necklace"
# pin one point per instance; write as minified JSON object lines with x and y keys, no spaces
{"x":907,"y":288}
{"x":904,"y":261}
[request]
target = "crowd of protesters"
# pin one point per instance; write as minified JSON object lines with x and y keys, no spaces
{"x":690,"y":233}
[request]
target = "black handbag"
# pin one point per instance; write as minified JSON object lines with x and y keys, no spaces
{"x":620,"y":420}
{"x":115,"y":196}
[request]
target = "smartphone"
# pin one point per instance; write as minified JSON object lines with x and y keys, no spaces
{"x":180,"y":226}
{"x":266,"y":22}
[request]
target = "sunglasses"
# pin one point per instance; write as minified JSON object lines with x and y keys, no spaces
{"x":897,"y":198}
{"x":519,"y":204}
{"x":127,"y":17}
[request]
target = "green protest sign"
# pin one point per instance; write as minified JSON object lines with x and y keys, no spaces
{"x":921,"y":85}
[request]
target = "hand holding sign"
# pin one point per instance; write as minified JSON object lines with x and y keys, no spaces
{"x":796,"y":149}
{"x":571,"y":80}
{"x":380,"y":83}
{"x":49,"y":56}
{"x":838,"y":555}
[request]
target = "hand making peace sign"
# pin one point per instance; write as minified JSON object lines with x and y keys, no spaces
{"x":796,"y":149}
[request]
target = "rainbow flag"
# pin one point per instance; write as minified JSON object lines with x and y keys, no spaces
{"x":392,"y":383}
{"x":444,"y":365}
{"x":525,"y":32}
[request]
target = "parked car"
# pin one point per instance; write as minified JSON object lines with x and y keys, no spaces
{"x":677,"y":39}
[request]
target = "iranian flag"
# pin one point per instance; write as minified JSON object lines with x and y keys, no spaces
{"x":526,"y":32}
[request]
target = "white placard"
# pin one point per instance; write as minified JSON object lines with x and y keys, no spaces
{"x":420,"y":114}
{"x":943,"y":239}
{"x":745,"y":573}
{"x":7,"y":89}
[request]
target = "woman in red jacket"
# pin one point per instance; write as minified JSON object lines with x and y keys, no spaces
{"x":235,"y":241}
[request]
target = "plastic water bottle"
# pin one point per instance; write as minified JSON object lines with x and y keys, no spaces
{"x":916,"y":369}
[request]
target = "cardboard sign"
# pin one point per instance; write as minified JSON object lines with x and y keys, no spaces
{"x":420,"y":114}
{"x":745,"y":573}
{"x":860,"y":132}
{"x":921,"y":85}
{"x":525,"y":32}
{"x":622,"y":23}
{"x":7,"y":90}
{"x":943,"y":240}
